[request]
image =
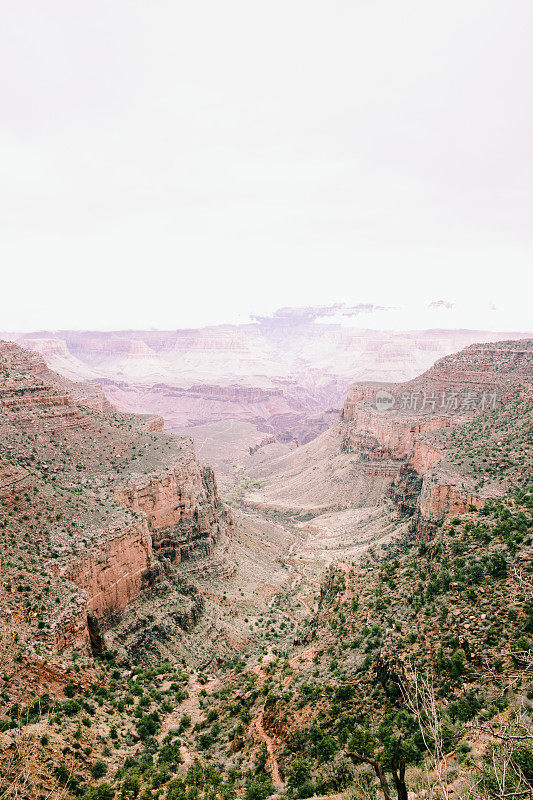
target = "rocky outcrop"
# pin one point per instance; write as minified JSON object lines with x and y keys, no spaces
{"x":397,"y":442}
{"x":380,"y":435}
{"x":106,"y":497}
{"x":29,"y":381}
{"x":180,"y":517}
{"x":389,"y":445}
{"x":91,"y":395}
{"x":188,"y":618}
{"x":233,"y":393}
{"x":486,"y":365}
{"x":423,"y":456}
{"x":183,"y":510}
{"x":392,"y":444}
{"x":71,"y":630}
{"x":442,"y":501}
{"x":170,"y":498}
{"x":263,"y":443}
{"x":114,"y":574}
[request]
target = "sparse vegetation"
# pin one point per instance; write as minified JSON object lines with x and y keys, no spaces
{"x":411,"y":673}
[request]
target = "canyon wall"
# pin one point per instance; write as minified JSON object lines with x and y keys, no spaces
{"x":399,"y":442}
{"x":180,"y":517}
{"x":183,"y":510}
{"x":278,"y":373}
{"x":390,"y":444}
{"x":381,"y":435}
{"x":105,"y":495}
{"x":115,"y":573}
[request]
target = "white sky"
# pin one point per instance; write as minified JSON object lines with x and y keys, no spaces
{"x":171,"y":163}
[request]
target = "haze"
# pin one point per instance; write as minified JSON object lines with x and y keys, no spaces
{"x":179,"y":164}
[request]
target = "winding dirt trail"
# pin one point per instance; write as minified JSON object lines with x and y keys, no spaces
{"x":305,"y":655}
{"x":297,"y":578}
{"x":272,"y":762}
{"x":293,"y":569}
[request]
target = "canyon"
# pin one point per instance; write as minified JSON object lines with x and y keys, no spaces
{"x":401,"y":459}
{"x":282,"y":374}
{"x":123,"y":565}
{"x":136,"y":528}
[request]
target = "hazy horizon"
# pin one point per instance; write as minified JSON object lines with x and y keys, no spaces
{"x":440,"y":315}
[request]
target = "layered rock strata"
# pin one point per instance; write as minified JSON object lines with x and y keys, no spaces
{"x":403,"y":445}
{"x":106,"y":496}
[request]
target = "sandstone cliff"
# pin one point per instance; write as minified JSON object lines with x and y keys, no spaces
{"x":98,"y":497}
{"x":115,"y":572}
{"x":279,"y":373}
{"x":413,"y":440}
{"x":182,"y":507}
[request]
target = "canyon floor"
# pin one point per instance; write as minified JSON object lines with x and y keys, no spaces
{"x":298,"y":511}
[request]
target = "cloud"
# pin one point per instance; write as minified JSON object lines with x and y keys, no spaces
{"x":441,"y":304}
{"x":307,"y":314}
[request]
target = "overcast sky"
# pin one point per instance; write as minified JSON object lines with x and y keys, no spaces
{"x":169,"y":164}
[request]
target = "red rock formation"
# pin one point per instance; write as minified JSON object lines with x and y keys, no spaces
{"x":165,"y":499}
{"x":395,"y":442}
{"x":423,"y":456}
{"x":439,"y":501}
{"x":392,"y":436}
{"x":182,"y":507}
{"x":114,"y":574}
{"x":71,"y":456}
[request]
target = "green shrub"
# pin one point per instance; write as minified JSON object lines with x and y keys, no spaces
{"x":99,"y":769}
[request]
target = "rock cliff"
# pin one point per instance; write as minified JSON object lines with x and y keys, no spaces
{"x":115,"y":573}
{"x":98,"y":498}
{"x":412,"y":439}
{"x":278,"y":373}
{"x":183,"y":510}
